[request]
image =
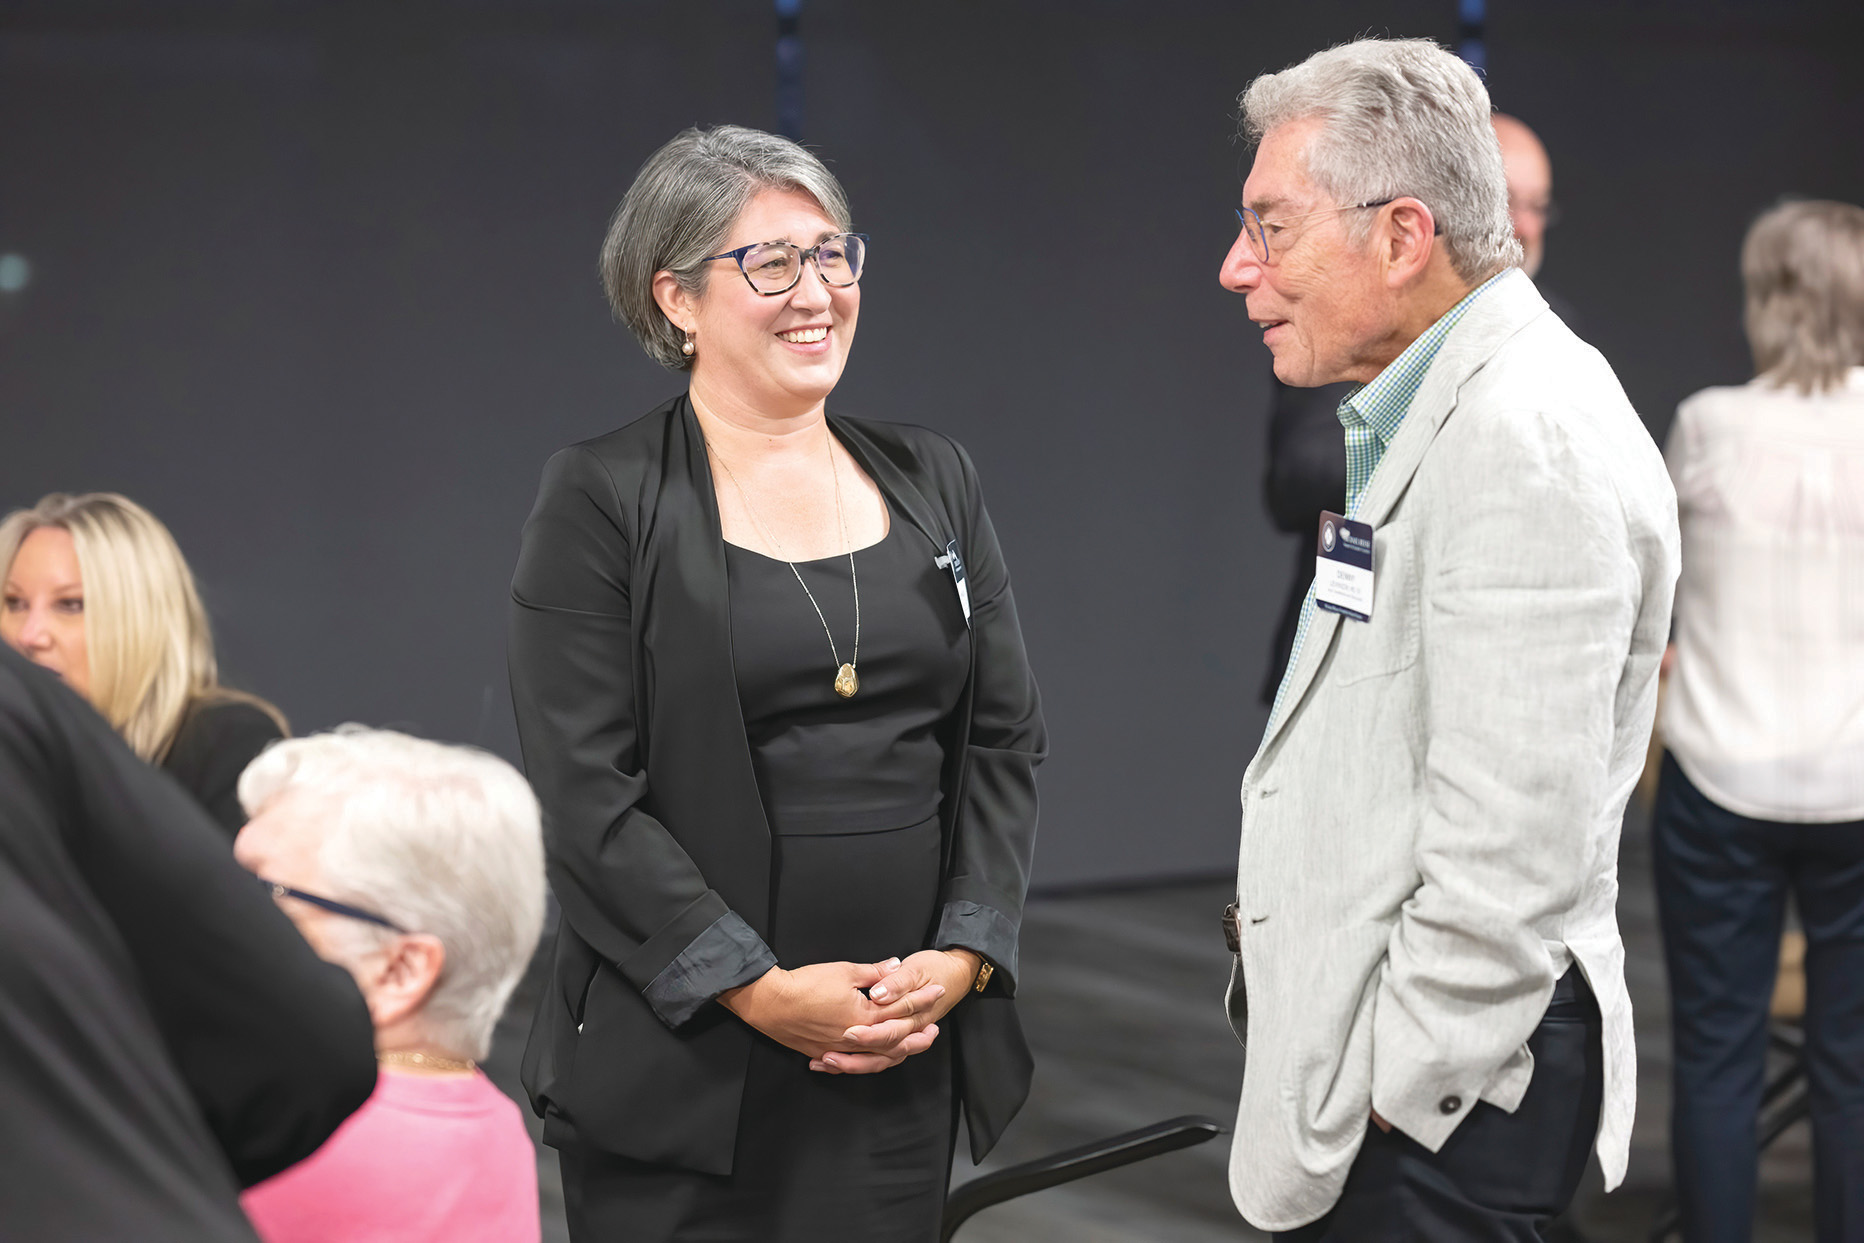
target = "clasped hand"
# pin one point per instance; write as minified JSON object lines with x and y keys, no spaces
{"x":856,"y":1018}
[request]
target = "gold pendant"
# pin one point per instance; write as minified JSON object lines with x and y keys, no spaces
{"x":847,"y":682}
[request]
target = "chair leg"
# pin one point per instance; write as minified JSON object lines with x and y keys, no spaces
{"x":1064,"y":1167}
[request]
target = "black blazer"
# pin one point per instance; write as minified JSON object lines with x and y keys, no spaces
{"x":216,"y":741}
{"x":1306,"y":474}
{"x":627,"y":707}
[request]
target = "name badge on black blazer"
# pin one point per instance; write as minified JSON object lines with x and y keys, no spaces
{"x":1343,"y":567}
{"x":953,"y":560}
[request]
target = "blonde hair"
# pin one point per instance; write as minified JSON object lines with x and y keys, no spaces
{"x":151,"y":650}
{"x":1803,"y":265}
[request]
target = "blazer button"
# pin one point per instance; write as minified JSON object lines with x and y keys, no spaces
{"x":1450,"y":1104}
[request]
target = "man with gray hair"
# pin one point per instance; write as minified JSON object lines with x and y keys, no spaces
{"x":1428,"y":976}
{"x":419,"y":867}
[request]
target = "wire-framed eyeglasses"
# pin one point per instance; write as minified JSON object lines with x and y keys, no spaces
{"x":771,"y":268}
{"x":1257,"y":229}
{"x":331,"y":904}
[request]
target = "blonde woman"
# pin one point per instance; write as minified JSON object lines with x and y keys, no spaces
{"x":97,"y":591}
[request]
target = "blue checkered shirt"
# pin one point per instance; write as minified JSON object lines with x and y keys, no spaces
{"x":1372,"y":415}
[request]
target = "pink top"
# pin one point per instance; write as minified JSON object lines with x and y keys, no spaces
{"x":427,"y":1159}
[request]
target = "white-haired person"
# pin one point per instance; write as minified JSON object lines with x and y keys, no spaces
{"x":1429,"y":980}
{"x":419,"y":867}
{"x":1762,"y":789}
{"x":97,"y":591}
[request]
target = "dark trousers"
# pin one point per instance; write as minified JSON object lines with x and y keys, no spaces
{"x":819,"y":1158}
{"x":1499,"y":1178}
{"x":1722,"y":881}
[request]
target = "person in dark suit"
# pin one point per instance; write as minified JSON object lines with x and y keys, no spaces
{"x":1306,"y":474}
{"x":166,"y":1036}
{"x":97,"y":591}
{"x":772,"y":693}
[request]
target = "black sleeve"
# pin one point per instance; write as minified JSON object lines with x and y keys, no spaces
{"x":626,"y":886}
{"x":996,"y":822}
{"x":1307,"y":456}
{"x":275,"y":1045}
{"x":212,"y":749}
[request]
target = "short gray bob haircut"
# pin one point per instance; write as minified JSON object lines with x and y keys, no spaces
{"x":1401,"y":117}
{"x":681,"y":206}
{"x":1803,"y":265}
{"x":439,"y":839}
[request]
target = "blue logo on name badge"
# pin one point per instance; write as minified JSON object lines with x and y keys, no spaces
{"x":1343,"y":567}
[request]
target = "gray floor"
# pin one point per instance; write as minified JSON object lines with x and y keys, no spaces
{"x":1122,"y":1000}
{"x":1122,"y":997}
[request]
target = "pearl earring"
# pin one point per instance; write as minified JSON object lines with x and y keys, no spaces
{"x":686,"y":347}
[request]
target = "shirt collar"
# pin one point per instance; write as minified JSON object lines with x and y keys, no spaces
{"x":1383,"y":403}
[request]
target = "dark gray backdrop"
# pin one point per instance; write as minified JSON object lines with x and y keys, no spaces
{"x":315,"y":281}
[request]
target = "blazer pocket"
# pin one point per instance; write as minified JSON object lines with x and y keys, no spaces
{"x":1387,"y":644}
{"x":1326,"y":1077}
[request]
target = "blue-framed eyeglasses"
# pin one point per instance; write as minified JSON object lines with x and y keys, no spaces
{"x":771,"y":268}
{"x":331,"y":905}
{"x":1257,"y":229}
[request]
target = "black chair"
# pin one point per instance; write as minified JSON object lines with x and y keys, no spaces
{"x":1783,"y":1102}
{"x":1065,"y":1167}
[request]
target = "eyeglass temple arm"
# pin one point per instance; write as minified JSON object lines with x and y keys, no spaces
{"x":331,"y":905}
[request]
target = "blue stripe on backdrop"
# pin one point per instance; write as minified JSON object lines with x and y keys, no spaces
{"x":790,"y":69}
{"x":1472,"y":42}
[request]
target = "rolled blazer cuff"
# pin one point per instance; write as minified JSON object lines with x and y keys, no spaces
{"x":985,"y":930}
{"x":726,"y":955}
{"x":1429,"y":1107}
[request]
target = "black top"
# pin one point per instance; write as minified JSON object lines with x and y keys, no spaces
{"x":216,"y":741}
{"x":826,"y":764}
{"x":1306,"y":474}
{"x":656,"y":838}
{"x":165,"y":1034}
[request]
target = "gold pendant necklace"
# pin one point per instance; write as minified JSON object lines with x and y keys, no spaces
{"x":847,"y":681}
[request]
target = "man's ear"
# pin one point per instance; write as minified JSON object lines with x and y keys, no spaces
{"x":1407,"y":235}
{"x":403,"y":976}
{"x":674,"y":302}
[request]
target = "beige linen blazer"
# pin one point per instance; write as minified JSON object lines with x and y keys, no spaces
{"x":1430,"y":826}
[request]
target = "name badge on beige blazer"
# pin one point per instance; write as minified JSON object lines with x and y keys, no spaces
{"x":1343,"y":567}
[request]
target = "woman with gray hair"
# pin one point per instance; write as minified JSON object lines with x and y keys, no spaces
{"x":772,"y":693}
{"x":419,"y":868}
{"x":1762,"y":789}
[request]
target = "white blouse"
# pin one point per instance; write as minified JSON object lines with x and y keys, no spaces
{"x":1765,"y":710}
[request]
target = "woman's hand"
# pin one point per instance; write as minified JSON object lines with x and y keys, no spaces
{"x":814,"y":1009}
{"x":949,"y":972}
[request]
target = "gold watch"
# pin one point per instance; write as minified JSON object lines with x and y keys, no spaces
{"x":985,"y":970}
